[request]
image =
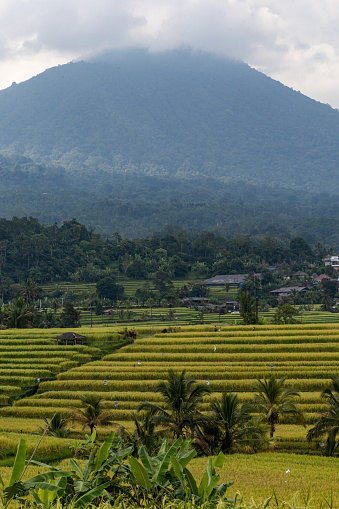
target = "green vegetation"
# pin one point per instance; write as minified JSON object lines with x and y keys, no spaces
{"x":234,"y":424}
{"x":173,"y":476}
{"x":274,"y":401}
{"x":181,"y":396}
{"x":55,"y":165}
{"x":98,"y":290}
{"x":329,"y":421}
{"x":93,"y":414}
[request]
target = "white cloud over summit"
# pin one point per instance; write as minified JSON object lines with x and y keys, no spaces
{"x":296,"y":42}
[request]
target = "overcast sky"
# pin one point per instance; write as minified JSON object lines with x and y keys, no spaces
{"x":293,"y":41}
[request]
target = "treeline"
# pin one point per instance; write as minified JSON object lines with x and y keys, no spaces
{"x":73,"y":252}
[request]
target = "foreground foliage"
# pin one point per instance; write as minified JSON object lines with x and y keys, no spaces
{"x":106,"y":476}
{"x":111,"y":478}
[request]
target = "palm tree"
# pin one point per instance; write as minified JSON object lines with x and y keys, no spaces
{"x":30,"y":290}
{"x":94,"y":414}
{"x":143,"y":434}
{"x":57,"y":426}
{"x":55,"y":306}
{"x":294,"y":295}
{"x":182,"y":396}
{"x":19,"y":314}
{"x":329,"y":421}
{"x":273,"y":400}
{"x":247,"y":308}
{"x":233,"y":422}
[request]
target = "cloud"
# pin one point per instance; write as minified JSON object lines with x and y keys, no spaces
{"x":293,"y":41}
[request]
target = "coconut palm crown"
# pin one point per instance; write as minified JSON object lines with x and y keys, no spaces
{"x":182,"y":396}
{"x":234,"y":422}
{"x":329,"y":420}
{"x":93,"y":414}
{"x":273,"y":399}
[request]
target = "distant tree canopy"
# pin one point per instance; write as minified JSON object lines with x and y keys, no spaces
{"x":32,"y":253}
{"x":69,"y":317}
{"x":300,"y":248}
{"x":108,"y":289}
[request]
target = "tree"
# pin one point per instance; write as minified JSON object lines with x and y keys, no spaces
{"x":48,"y":319}
{"x":300,"y":249}
{"x":99,"y":308}
{"x":178,"y":267}
{"x":233,"y":421}
{"x":137,"y":269}
{"x":19,"y":314}
{"x":330,"y":288}
{"x":294,"y":295}
{"x":93,"y":414}
{"x":329,"y":420}
{"x":57,"y":426}
{"x":199,"y":291}
{"x":69,"y":317}
{"x":143,"y":434}
{"x":247,"y":308}
{"x":284,"y":314}
{"x":182,"y":396}
{"x":108,"y":289}
{"x":274,"y":400}
{"x":327,"y":303}
{"x":55,"y":306}
{"x":30,"y":290}
{"x":162,"y":282}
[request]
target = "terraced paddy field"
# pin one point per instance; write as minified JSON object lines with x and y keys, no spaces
{"x":230,"y":359}
{"x":30,"y":357}
{"x":189,"y":316}
{"x":184,"y":316}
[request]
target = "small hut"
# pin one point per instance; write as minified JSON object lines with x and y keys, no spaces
{"x":74,"y":338}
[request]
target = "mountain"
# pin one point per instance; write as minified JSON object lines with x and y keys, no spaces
{"x":133,"y":141}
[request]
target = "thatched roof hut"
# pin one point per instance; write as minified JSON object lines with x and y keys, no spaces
{"x":70,"y":336}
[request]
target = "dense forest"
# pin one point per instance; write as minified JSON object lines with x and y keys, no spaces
{"x":71,"y":251}
{"x":141,"y":205}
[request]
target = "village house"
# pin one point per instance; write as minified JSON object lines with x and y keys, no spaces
{"x":333,"y":261}
{"x":288,"y":291}
{"x":232,"y":279}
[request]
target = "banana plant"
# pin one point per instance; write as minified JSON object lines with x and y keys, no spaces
{"x":167,"y":473}
{"x":15,"y":487}
{"x":79,"y":486}
{"x":208,"y":490}
{"x":153,"y":474}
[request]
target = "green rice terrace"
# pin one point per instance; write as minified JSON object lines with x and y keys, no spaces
{"x":231,"y":359}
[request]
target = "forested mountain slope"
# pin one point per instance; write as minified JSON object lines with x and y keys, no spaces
{"x":175,"y":113}
{"x":139,"y":205}
{"x":134,"y":142}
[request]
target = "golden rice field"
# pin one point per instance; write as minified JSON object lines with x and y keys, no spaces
{"x":28,"y":357}
{"x":230,"y":359}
